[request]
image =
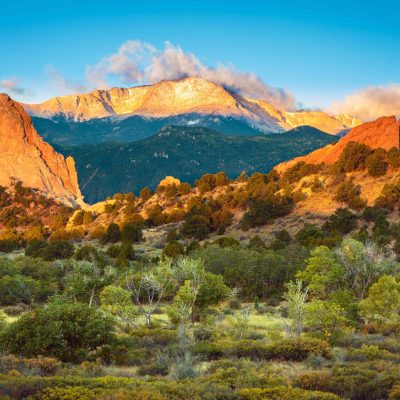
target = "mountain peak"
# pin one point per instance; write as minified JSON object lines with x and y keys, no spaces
{"x":26,"y":157}
{"x":188,"y":95}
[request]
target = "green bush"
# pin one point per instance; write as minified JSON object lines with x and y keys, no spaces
{"x":38,"y":366}
{"x":68,"y":332}
{"x":132,"y":233}
{"x":285,"y":393}
{"x":112,"y":235}
{"x":354,"y":381}
{"x":349,"y":193}
{"x":354,"y":156}
{"x":300,"y":170}
{"x":393,"y":156}
{"x":60,"y":249}
{"x":174,"y":249}
{"x":297,"y":349}
{"x":376,"y":166}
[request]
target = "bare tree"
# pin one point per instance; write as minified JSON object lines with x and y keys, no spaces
{"x":364,"y":264}
{"x":150,"y":287}
{"x":192,"y":272}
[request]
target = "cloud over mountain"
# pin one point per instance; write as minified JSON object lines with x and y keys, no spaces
{"x":141,"y":62}
{"x":64,"y":85}
{"x":371,"y":102}
{"x":12,"y":86}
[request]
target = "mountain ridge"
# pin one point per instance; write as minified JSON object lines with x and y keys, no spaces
{"x":185,"y":153}
{"x":180,"y":97}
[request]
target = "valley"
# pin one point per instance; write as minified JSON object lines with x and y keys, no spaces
{"x":185,"y":153}
{"x":197,"y":255}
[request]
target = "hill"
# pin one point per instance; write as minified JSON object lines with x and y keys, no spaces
{"x":128,"y":129}
{"x":186,"y":153}
{"x":382,"y":133}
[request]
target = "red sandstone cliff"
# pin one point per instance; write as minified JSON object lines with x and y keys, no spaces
{"x":26,"y":157}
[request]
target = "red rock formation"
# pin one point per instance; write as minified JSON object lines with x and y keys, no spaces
{"x":26,"y":157}
{"x":383,"y":132}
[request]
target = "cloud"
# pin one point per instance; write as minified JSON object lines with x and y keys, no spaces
{"x":62,"y":84}
{"x":138,"y":62}
{"x":12,"y":86}
{"x":127,"y":65}
{"x":371,"y":102}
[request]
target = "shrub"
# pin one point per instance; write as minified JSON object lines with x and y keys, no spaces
{"x":112,"y":235}
{"x":256,"y":243}
{"x":390,"y":196}
{"x":34,"y":233}
{"x":87,"y":253}
{"x":296,"y":349}
{"x":300,"y":170}
{"x":17,"y":289}
{"x":349,"y":193}
{"x":132,"y":233}
{"x":9,"y":245}
{"x":196,"y":226}
{"x":376,"y":166}
{"x":326,"y":319}
{"x":38,"y":366}
{"x":393,"y":156}
{"x":210,"y":181}
{"x":227,"y":241}
{"x":203,"y":333}
{"x":285,"y":393}
{"x":66,"y":331}
{"x":351,"y":381}
{"x":354,"y":156}
{"x":263,"y":211}
{"x":371,"y":353}
{"x":342,"y":221}
{"x":145,"y":194}
{"x":60,"y":249}
{"x":174,"y":249}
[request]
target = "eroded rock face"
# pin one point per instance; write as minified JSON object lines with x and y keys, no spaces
{"x":26,"y":157}
{"x":383,"y":132}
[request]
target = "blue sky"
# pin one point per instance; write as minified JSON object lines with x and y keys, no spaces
{"x":319,"y":51}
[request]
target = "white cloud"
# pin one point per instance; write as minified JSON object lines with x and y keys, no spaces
{"x":140,"y":62}
{"x":12,"y":86}
{"x":62,"y":84}
{"x":127,"y":64}
{"x":371,"y":102}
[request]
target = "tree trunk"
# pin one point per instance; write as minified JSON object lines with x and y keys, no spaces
{"x":148,"y":319}
{"x":91,"y":298}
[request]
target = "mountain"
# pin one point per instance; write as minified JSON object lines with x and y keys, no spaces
{"x":188,"y":101}
{"x":129,"y":129}
{"x":383,"y":132}
{"x":26,"y":157}
{"x":333,"y":124}
{"x":185,"y":153}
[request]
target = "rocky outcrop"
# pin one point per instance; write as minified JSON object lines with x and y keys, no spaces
{"x":383,"y":132}
{"x":26,"y":157}
{"x":188,"y":95}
